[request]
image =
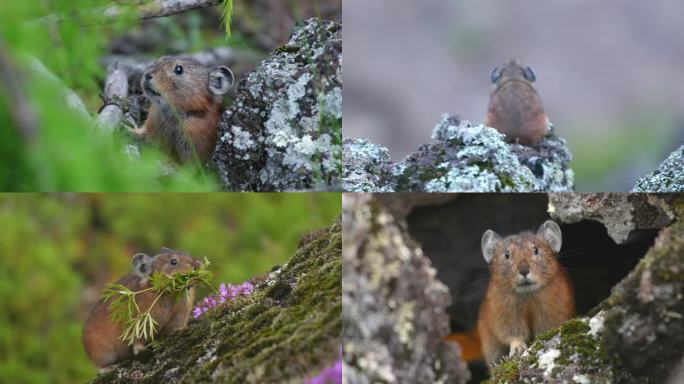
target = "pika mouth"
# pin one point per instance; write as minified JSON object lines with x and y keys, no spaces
{"x":147,"y":87}
{"x":526,"y":286}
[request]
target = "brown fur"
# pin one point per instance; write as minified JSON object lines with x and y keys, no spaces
{"x":507,"y":315}
{"x":101,"y":335}
{"x":184,"y":114}
{"x":515,"y":108}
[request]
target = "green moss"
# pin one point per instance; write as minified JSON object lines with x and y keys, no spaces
{"x":506,"y":371}
{"x":578,"y":347}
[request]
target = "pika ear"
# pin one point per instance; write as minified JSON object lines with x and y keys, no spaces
{"x":142,"y":265}
{"x":529,"y":74}
{"x":221,"y":79}
{"x":496,"y":75}
{"x":551,"y":233}
{"x":489,"y":241}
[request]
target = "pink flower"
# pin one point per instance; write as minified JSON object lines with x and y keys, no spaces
{"x":225,"y":294}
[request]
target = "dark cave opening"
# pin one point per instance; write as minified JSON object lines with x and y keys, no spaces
{"x":450,"y":236}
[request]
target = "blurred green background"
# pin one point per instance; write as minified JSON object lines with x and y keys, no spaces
{"x":58,"y":251}
{"x":45,"y":145}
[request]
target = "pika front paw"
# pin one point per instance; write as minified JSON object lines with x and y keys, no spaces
{"x":517,"y":346}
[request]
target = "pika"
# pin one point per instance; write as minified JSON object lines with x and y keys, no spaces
{"x":529,"y":291}
{"x":101,"y":335}
{"x":186,"y":105}
{"x":515,"y":108}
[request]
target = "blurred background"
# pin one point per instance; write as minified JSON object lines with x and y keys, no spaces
{"x":45,"y":145}
{"x":58,"y":251}
{"x":609,"y":74}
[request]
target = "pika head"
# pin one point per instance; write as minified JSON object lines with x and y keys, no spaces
{"x":185,"y":84}
{"x":512,"y":71}
{"x":168,"y":261}
{"x":525,"y":262}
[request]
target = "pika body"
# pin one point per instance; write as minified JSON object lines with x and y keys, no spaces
{"x":529,"y":291}
{"x":101,"y":336}
{"x":186,"y":105}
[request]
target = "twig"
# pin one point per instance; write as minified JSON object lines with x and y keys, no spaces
{"x":162,"y":8}
{"x":73,"y":100}
{"x":116,"y":90}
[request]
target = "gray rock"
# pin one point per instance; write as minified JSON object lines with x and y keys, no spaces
{"x":284,"y":128}
{"x":465,"y":157}
{"x":669,"y":177}
{"x":620,"y":213}
{"x":394,"y":308}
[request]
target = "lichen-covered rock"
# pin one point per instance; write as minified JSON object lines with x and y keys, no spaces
{"x":284,"y":128}
{"x":669,"y":177}
{"x":394,"y":315}
{"x":286,"y":331}
{"x":634,"y":336}
{"x":466,"y":158}
{"x":367,"y":167}
{"x":620,"y":213}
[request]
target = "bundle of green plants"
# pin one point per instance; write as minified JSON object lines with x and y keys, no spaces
{"x":138,"y":324}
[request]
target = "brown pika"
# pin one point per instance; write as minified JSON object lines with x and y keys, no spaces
{"x":186,"y":105}
{"x":515,"y":108}
{"x":101,"y":335}
{"x":529,"y":291}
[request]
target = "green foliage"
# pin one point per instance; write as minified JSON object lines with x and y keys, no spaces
{"x":58,"y":251}
{"x":138,"y":324}
{"x":227,"y":15}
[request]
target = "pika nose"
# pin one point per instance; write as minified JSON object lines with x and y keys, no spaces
{"x":197,"y":264}
{"x":524,"y":270}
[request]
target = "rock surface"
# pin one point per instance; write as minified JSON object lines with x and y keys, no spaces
{"x":466,"y":158}
{"x":394,"y":308}
{"x":284,"y":128}
{"x":620,"y":213}
{"x":286,"y":331}
{"x":669,"y":177}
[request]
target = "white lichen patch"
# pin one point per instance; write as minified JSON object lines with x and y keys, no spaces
{"x":546,"y":360}
{"x":404,"y":325}
{"x":241,"y":139}
{"x":581,"y":379}
{"x":596,"y":324}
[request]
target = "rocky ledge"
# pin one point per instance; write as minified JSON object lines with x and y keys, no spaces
{"x":464,"y":158}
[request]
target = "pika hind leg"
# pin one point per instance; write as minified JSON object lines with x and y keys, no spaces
{"x":493,"y":351}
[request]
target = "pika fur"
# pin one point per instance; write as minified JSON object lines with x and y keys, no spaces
{"x":101,"y":335}
{"x":515,"y":108}
{"x":186,"y":105}
{"x":529,"y":291}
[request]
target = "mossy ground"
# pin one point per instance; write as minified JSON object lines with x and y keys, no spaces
{"x":287,"y":330}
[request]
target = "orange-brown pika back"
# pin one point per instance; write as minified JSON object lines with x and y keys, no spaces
{"x":101,"y":336}
{"x":187,"y":102}
{"x":529,"y":291}
{"x":515,"y":108}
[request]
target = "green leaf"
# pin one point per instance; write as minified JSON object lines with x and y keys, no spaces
{"x":227,"y":15}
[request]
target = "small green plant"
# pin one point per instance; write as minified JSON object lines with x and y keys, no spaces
{"x":136,"y":324}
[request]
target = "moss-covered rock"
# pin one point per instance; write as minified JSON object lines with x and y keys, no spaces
{"x":284,"y":129}
{"x":286,"y":331}
{"x":464,"y":157}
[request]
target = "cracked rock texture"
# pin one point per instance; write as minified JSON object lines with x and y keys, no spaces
{"x":669,"y":177}
{"x":285,"y":332}
{"x":284,"y":128}
{"x":464,"y":157}
{"x":636,"y":335}
{"x":620,"y":213}
{"x":394,"y":315}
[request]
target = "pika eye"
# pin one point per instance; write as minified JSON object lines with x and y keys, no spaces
{"x":529,"y":74}
{"x":495,"y":76}
{"x":535,"y":250}
{"x":173,"y":261}
{"x":178,"y":70}
{"x":507,"y":255}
